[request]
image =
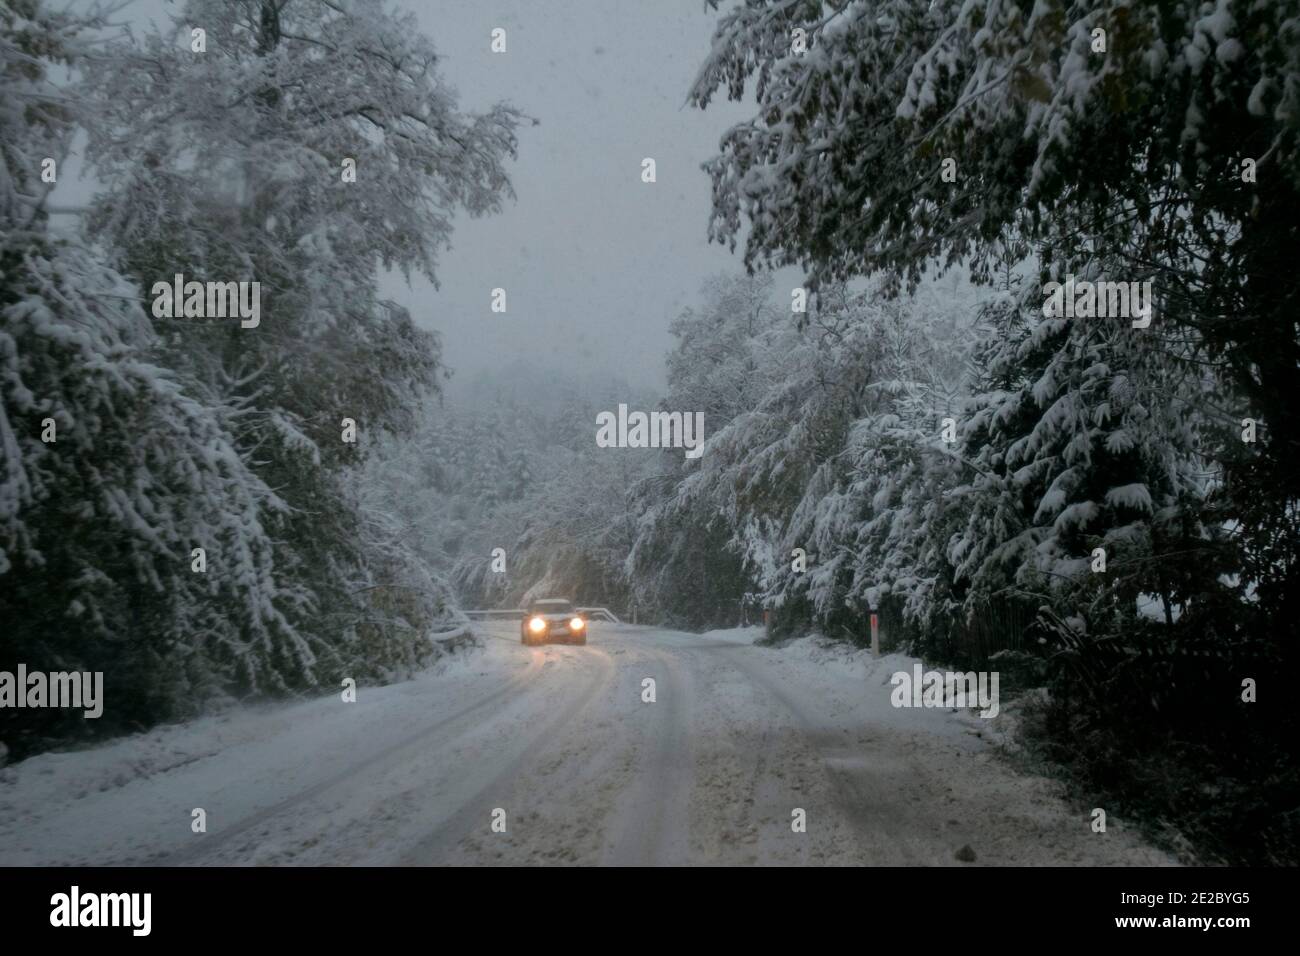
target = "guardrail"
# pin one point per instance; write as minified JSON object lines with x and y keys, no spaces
{"x":598,"y":612}
{"x":604,"y":612}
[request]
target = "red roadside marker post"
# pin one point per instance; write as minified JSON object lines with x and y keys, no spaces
{"x":875,"y":635}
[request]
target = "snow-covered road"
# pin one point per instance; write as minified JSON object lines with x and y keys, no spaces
{"x":559,"y":743}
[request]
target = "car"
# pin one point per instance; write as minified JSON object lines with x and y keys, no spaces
{"x":552,"y":619}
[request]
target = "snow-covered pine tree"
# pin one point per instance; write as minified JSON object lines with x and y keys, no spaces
{"x":1164,"y":134}
{"x":1088,"y":479}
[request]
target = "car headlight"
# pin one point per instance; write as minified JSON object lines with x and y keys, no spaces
{"x":577,"y":624}
{"x":537,"y":625}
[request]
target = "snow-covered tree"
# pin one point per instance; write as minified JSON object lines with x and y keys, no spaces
{"x":309,"y":147}
{"x":828,"y":447}
{"x":511,"y":463}
{"x":180,"y":504}
{"x":1088,"y":486}
{"x":1162,"y":135}
{"x":133,"y":534}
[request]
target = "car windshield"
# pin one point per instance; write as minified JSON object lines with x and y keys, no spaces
{"x":552,"y":607}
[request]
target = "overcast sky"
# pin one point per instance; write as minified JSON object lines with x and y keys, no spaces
{"x":595,"y":263}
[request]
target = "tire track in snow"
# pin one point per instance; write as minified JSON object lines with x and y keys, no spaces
{"x":473,"y":812}
{"x":223,"y":839}
{"x":650,"y":826}
{"x":859,"y":797}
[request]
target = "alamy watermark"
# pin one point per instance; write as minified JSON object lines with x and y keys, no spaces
{"x":651,"y":430}
{"x":946,"y":689}
{"x":76,"y":689}
{"x":75,"y":908}
{"x":208,"y":300}
{"x":1082,"y":299}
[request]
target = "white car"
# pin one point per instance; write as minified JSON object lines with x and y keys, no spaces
{"x":553,"y":619}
